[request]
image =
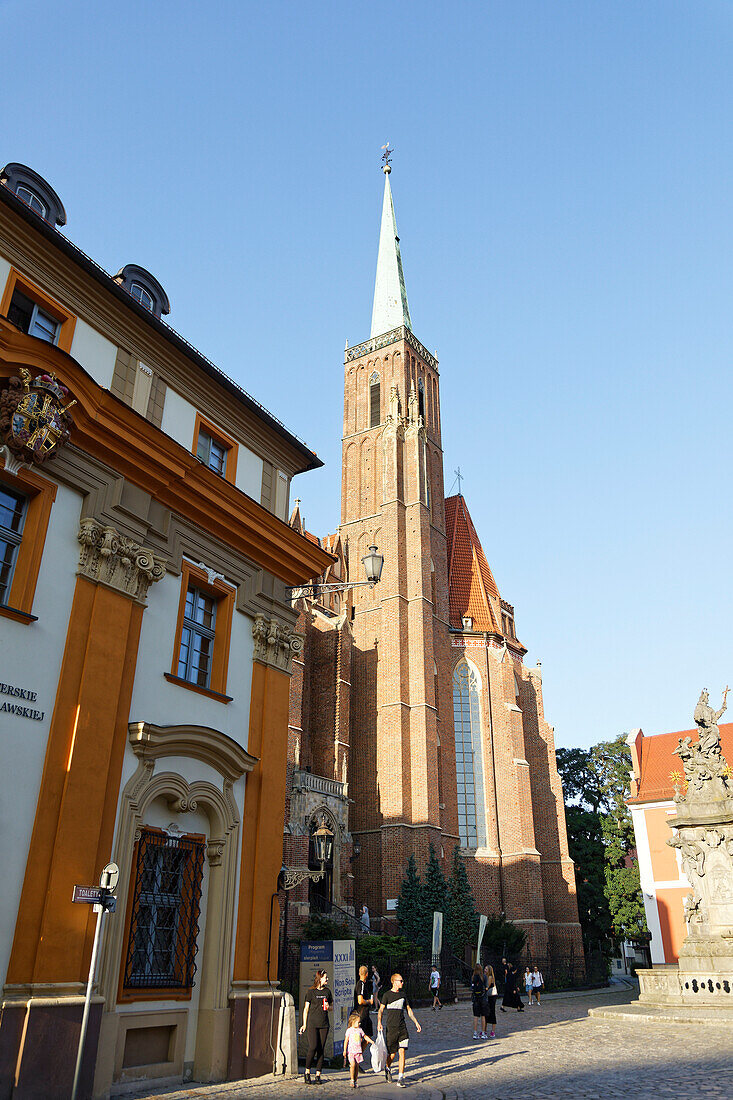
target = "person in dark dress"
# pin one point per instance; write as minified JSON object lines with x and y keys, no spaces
{"x":318,"y":1003}
{"x":511,"y":998}
{"x":477,"y":1002}
{"x":364,"y":1001}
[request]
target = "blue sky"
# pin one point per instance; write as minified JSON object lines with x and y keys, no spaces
{"x":562,"y":183}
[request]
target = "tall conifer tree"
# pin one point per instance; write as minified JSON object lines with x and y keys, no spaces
{"x":434,"y":896}
{"x":409,"y":904}
{"x":461,"y":917}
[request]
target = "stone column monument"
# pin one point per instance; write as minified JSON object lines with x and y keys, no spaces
{"x":700,"y":987}
{"x":703,"y":834}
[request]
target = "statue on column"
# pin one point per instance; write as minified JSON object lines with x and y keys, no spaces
{"x":702,"y":761}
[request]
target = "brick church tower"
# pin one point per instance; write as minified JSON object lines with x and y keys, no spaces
{"x":413,"y":717}
{"x":392,"y":496}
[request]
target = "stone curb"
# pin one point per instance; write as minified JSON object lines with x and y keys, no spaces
{"x":648,"y":1015}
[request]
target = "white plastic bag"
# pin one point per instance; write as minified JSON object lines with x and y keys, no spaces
{"x":379,"y":1053}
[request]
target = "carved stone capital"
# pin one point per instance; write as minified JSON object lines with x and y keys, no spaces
{"x":107,"y":557}
{"x":275,"y":643}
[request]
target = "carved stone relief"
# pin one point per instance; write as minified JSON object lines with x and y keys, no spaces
{"x":275,"y":643}
{"x":110,"y":558}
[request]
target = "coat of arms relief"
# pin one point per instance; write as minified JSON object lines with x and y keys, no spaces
{"x":34,"y":418}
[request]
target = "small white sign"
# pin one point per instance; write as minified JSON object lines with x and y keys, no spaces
{"x":391,"y":904}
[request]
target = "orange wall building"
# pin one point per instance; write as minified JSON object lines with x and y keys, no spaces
{"x":663,"y":882}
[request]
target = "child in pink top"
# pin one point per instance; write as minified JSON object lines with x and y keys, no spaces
{"x":353,"y":1045}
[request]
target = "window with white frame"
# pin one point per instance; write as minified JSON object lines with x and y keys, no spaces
{"x":143,"y":296}
{"x":469,"y":757}
{"x":31,"y":199}
{"x":30,"y":318}
{"x":13,"y":507}
{"x":196,"y":648}
{"x":211,"y":452}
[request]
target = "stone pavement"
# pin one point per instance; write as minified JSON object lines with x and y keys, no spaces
{"x":555,"y":1052}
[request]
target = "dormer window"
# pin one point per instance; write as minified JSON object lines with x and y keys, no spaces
{"x":34,"y":191}
{"x":32,"y":200}
{"x":144,"y":288}
{"x":144,"y":297}
{"x":467,"y":622}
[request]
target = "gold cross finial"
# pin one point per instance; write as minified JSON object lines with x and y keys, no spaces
{"x":386,"y":155}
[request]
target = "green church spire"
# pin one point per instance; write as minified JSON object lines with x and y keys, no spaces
{"x":390,"y":296}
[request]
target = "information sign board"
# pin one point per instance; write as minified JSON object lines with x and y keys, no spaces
{"x":338,"y":959}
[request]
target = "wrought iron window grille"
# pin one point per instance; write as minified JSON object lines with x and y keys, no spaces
{"x":166,"y":906}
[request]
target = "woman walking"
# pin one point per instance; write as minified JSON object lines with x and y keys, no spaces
{"x":477,"y":1002}
{"x":491,"y":996}
{"x":528,"y":983}
{"x":538,"y":983}
{"x":318,"y":1003}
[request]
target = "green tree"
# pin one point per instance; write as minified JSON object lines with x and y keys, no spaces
{"x":434,"y":896}
{"x":601,"y":839}
{"x":461,"y":919}
{"x":502,"y":937}
{"x":409,"y":904}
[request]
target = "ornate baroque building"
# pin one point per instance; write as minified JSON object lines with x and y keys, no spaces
{"x":147,"y":644}
{"x":413,"y":717}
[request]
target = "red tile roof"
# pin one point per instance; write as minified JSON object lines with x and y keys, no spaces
{"x":471,"y":584}
{"x":658,"y":760}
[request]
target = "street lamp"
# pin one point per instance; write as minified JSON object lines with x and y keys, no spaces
{"x":290,"y":877}
{"x":323,"y":844}
{"x":372,"y":562}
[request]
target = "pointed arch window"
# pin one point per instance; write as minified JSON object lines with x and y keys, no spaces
{"x":374,"y":401}
{"x":421,"y":398}
{"x":469,"y":757}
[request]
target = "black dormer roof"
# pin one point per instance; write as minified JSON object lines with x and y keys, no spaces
{"x":16,"y":175}
{"x":133,"y":273}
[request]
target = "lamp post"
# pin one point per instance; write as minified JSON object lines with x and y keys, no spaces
{"x":372,"y":561}
{"x":290,"y":877}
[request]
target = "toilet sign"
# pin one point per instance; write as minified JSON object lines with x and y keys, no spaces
{"x":92,"y":895}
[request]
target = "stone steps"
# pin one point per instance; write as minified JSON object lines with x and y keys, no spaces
{"x":665,"y":1014}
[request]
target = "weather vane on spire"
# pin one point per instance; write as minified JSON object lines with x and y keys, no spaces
{"x":386,"y":158}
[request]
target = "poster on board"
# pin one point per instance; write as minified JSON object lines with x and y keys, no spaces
{"x":338,"y":959}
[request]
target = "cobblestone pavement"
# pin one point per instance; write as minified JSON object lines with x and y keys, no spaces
{"x":549,"y":1053}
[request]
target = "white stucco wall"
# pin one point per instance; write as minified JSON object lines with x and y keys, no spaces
{"x":179,"y":418}
{"x":30,"y":657}
{"x":4,"y":272}
{"x":155,"y":699}
{"x":96,"y":354}
{"x":249,"y":473}
{"x":648,"y":885}
{"x":179,"y":421}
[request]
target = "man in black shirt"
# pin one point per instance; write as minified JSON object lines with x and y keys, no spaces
{"x":395,"y":1004}
{"x":363,"y":1001}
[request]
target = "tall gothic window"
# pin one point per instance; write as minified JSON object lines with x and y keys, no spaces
{"x":374,"y":401}
{"x":469,"y":757}
{"x":421,"y":398}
